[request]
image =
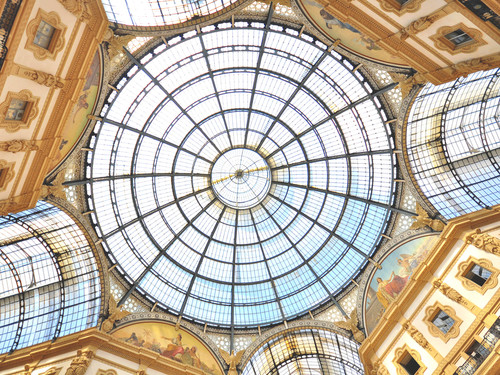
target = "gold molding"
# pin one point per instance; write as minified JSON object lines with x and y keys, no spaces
{"x":398,"y":356}
{"x":7,"y":169}
{"x":57,"y":42}
{"x":393,"y":6}
{"x":106,"y":372}
{"x":30,"y":112}
{"x":440,"y":42}
{"x":430,"y":314}
{"x":468,"y":284}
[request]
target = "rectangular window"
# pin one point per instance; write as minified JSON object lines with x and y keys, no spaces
{"x":16,"y":110}
{"x":443,"y":321}
{"x":477,"y":274}
{"x":409,"y":363}
{"x":44,"y":35}
{"x":458,"y":37}
{"x":477,"y":351}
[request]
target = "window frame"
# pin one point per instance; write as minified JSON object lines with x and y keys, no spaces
{"x":401,"y":353}
{"x":57,"y":41}
{"x":30,"y":112}
{"x":430,"y":314}
{"x":444,"y":44}
{"x":465,"y":267}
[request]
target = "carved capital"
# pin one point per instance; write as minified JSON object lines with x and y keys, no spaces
{"x":80,"y":363}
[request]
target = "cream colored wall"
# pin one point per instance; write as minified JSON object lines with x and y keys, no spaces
{"x":47,"y":96}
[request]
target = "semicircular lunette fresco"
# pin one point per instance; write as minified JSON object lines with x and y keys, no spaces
{"x":77,"y":120}
{"x":386,"y":284}
{"x":351,"y":38}
{"x":180,"y":345}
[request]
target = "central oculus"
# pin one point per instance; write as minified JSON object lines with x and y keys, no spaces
{"x":241,"y":178}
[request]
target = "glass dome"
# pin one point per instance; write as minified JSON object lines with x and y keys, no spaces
{"x":242,"y":175}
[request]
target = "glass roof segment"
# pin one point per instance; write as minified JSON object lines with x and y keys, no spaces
{"x":161,"y":12}
{"x":49,"y":278}
{"x":241,"y":176}
{"x":453,"y":143}
{"x":306,"y":351}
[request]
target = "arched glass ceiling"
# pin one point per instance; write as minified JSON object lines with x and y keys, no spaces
{"x":49,"y":280}
{"x":306,"y":352}
{"x":161,"y":12}
{"x":453,"y":143}
{"x":241,"y":176}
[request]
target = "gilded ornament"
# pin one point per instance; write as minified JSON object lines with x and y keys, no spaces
{"x":417,"y":26}
{"x":116,"y":42}
{"x":56,"y":188}
{"x":18,"y":145}
{"x":43,"y":78}
{"x":406,"y":83}
{"x":423,"y":220}
{"x":114,"y":313}
{"x":351,"y":324}
{"x":484,"y":242}
{"x":52,"y":371}
{"x":232,"y":360}
{"x":79,"y":8}
{"x":80,"y":363}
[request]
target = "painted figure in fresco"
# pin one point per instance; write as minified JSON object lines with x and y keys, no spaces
{"x":389,"y":289}
{"x":174,"y":348}
{"x":132,"y":339}
{"x":331,"y":20}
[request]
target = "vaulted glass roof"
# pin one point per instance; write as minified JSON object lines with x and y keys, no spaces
{"x":161,"y":12}
{"x":241,"y":175}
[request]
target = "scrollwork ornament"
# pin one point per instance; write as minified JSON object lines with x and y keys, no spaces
{"x":18,"y":145}
{"x":484,"y":242}
{"x":418,"y":26}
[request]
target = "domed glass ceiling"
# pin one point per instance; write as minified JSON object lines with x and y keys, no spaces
{"x":161,"y":12}
{"x":241,"y":176}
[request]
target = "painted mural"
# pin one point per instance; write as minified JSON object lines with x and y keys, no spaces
{"x":387,"y":283}
{"x":77,"y":120}
{"x":180,"y":345}
{"x":351,"y":38}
